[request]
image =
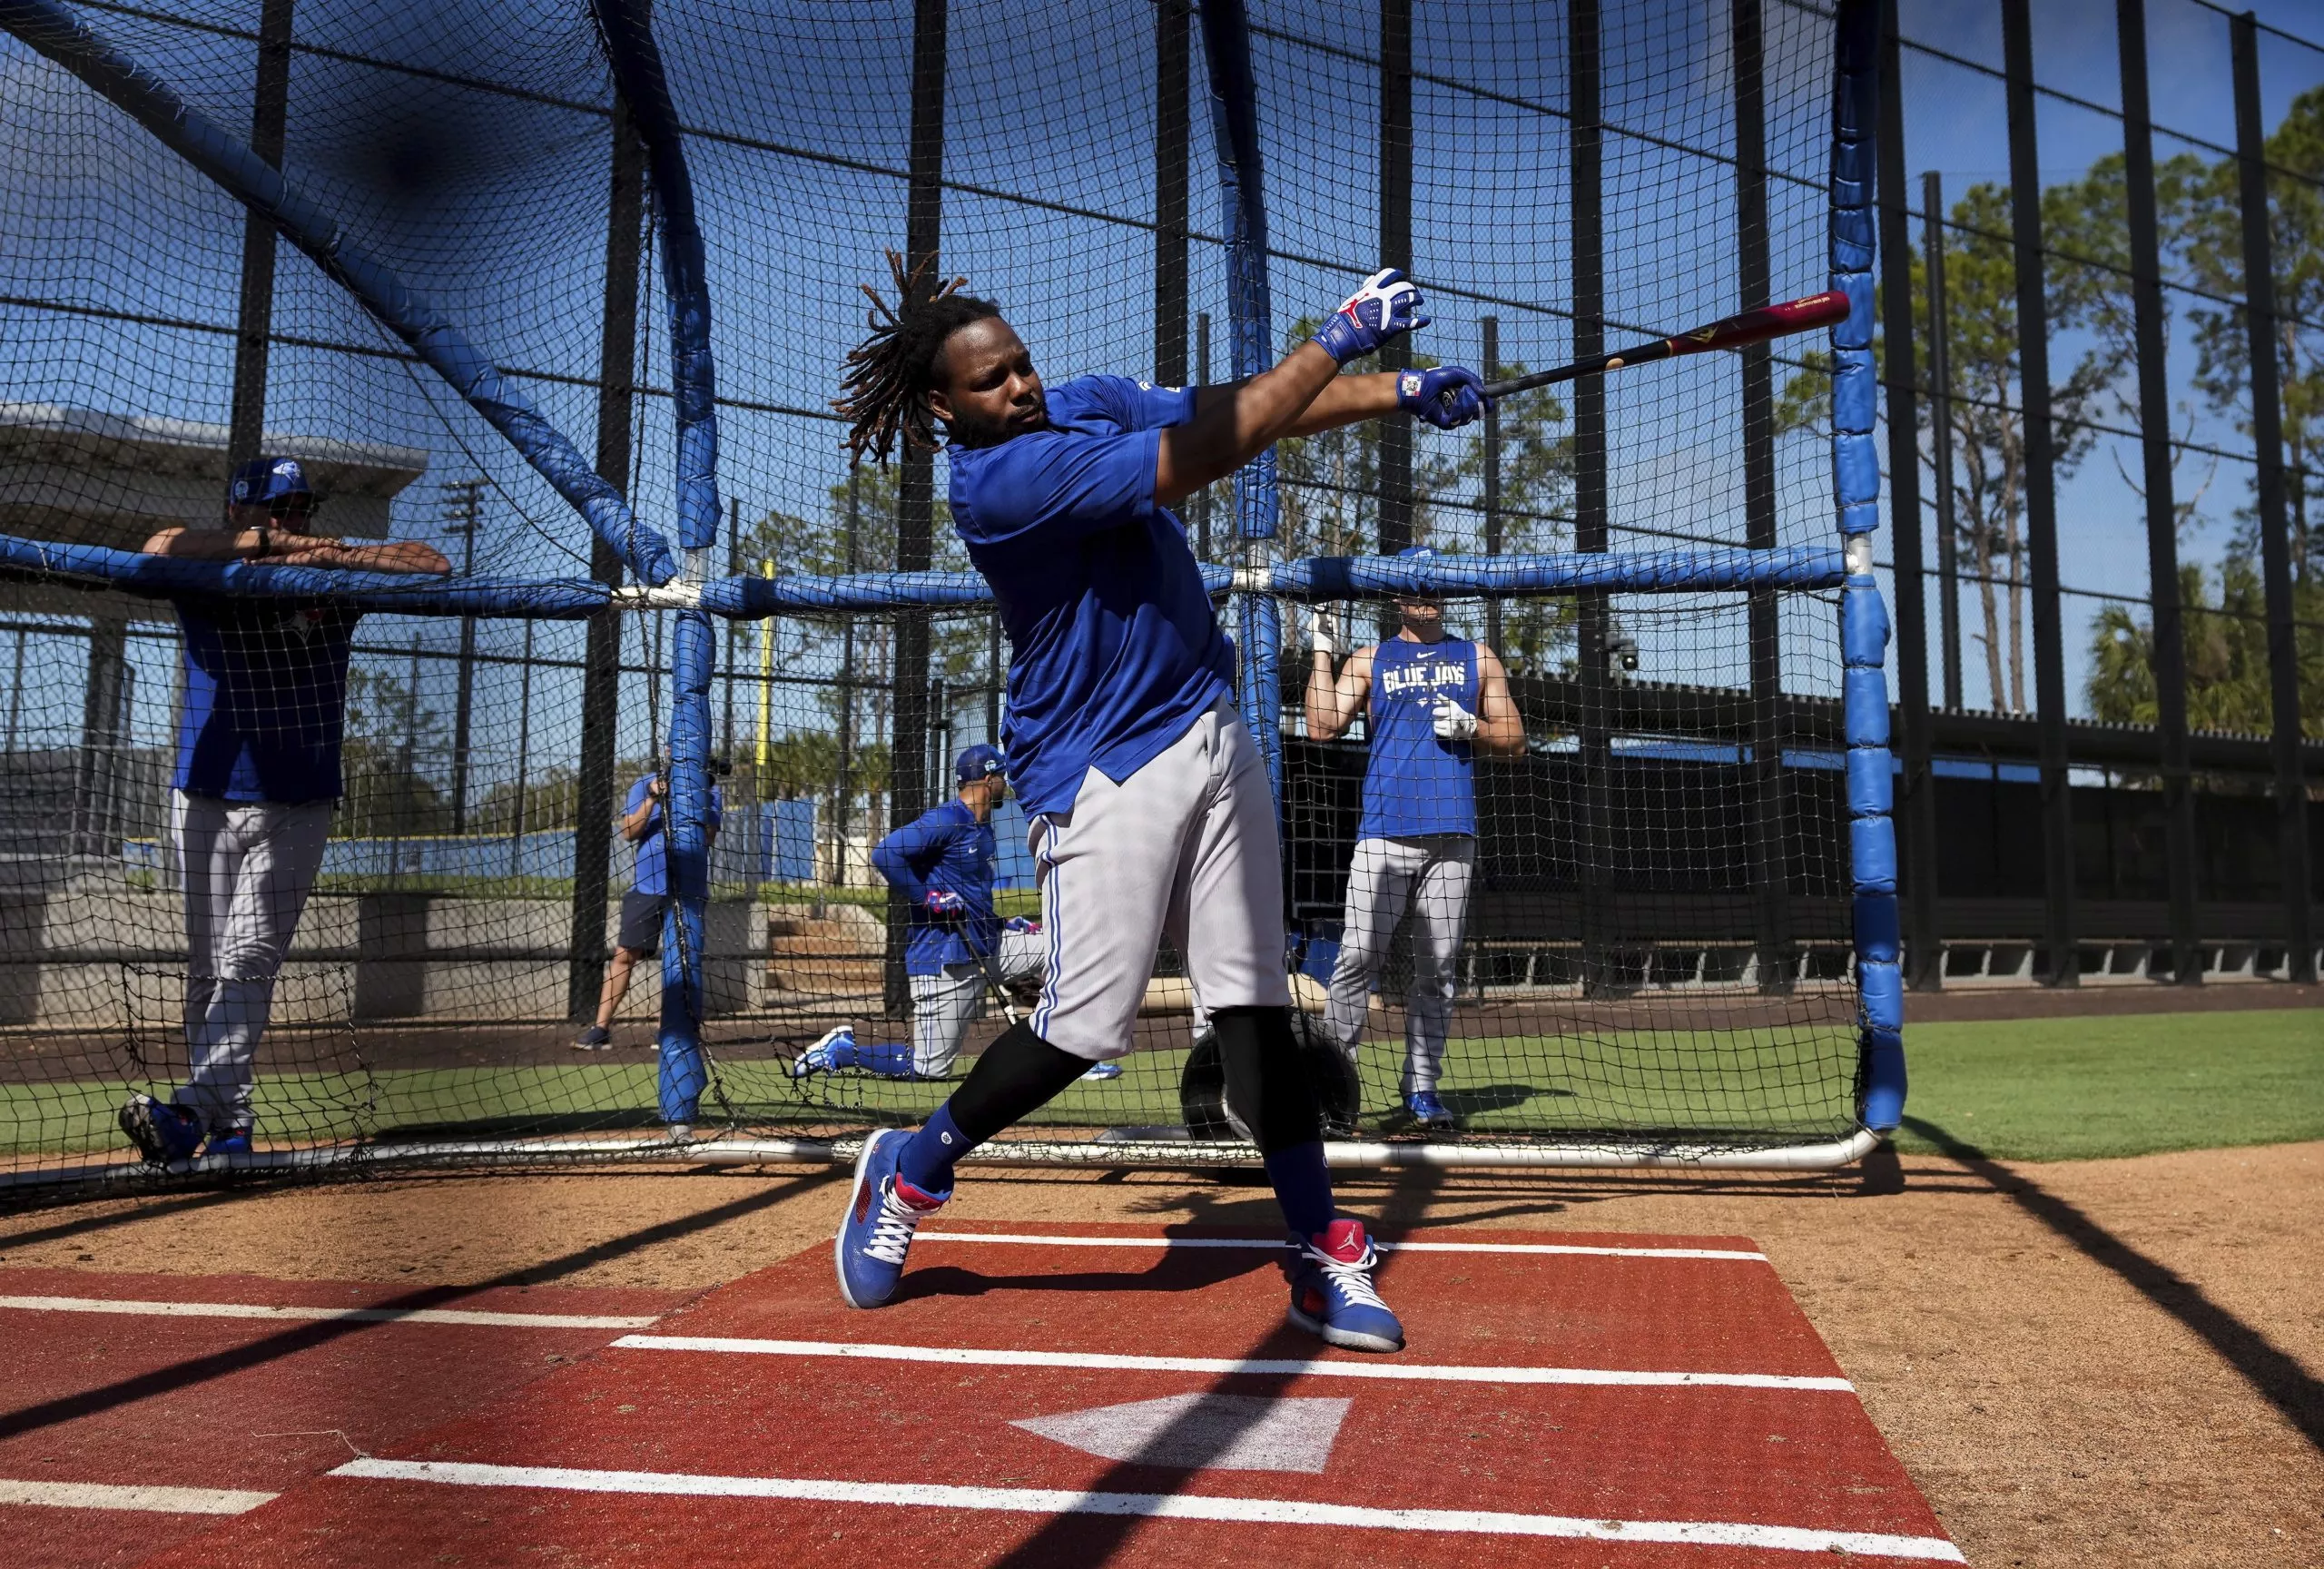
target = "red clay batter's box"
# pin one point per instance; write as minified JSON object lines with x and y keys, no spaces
{"x":236,"y":1386}
{"x":1060,"y":1395}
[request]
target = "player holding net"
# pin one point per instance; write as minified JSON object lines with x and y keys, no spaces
{"x":1431,"y":706}
{"x":258,"y":773}
{"x":1152,"y":817}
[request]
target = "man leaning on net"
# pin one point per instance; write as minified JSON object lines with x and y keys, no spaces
{"x":257,"y":775}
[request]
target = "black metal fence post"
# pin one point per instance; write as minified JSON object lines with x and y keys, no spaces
{"x":1173,"y":30}
{"x":916,"y":488}
{"x":601,"y":661}
{"x":1924,"y":941}
{"x":2040,"y":499}
{"x":270,"y":111}
{"x":1396,"y":251}
{"x":1940,"y":425}
{"x":1585,"y":203}
{"x":2169,"y":651}
{"x":1770,"y":803}
{"x":1490,"y":348}
{"x":2275,"y":543}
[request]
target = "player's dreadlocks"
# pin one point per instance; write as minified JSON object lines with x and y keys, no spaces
{"x":889,"y":374}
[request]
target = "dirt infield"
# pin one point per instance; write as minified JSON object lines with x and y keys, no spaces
{"x":2079,"y":1364}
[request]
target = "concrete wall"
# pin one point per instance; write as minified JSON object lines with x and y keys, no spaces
{"x":90,"y":954}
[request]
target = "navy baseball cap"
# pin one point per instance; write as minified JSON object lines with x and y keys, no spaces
{"x":264,"y":479}
{"x":978,"y":762}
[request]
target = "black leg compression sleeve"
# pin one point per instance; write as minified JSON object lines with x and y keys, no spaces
{"x":1017,"y":1075}
{"x":1267,"y":1083}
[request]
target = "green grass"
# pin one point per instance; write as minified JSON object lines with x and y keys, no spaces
{"x":2080,"y":1088}
{"x":2032,"y":1090}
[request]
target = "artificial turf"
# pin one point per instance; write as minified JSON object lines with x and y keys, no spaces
{"x":2080,"y":1088}
{"x":2027,"y":1089}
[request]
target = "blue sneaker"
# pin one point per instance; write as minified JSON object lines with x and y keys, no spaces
{"x":882,"y":1212}
{"x":1427,"y":1111}
{"x":1101,"y":1072}
{"x":1332,"y":1293}
{"x":162,"y":1130}
{"x":821,"y":1058}
{"x":233,"y":1141}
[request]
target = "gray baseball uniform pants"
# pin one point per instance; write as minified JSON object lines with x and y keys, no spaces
{"x":1430,"y":873}
{"x":944,"y":1006}
{"x":247,"y":867}
{"x":1184,"y":850}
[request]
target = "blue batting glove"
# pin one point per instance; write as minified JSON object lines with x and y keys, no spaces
{"x":940,"y":901}
{"x":1021,"y":923}
{"x":1447,"y":397}
{"x":1386,"y":305}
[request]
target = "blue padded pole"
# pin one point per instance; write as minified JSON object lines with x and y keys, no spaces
{"x":55,"y":32}
{"x":1234,"y":135}
{"x":644,"y":86}
{"x":682,"y":1072}
{"x":1864,"y":619}
{"x":400,"y":593}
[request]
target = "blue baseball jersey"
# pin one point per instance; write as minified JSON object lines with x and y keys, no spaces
{"x":1415,"y":782}
{"x":944,"y":849}
{"x":265,"y":699}
{"x":1114,"y":651}
{"x":653,"y":854}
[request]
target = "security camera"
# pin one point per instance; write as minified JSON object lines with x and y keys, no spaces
{"x":1621,"y":654}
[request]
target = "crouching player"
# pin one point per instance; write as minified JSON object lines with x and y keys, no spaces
{"x":1433,"y":704}
{"x":1152,"y":816}
{"x":958,"y":946}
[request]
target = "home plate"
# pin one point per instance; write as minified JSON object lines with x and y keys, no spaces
{"x":1203,"y":1432}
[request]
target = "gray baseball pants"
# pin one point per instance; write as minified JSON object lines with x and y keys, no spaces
{"x":1184,"y":850}
{"x":944,"y":1006}
{"x":247,"y":868}
{"x":1429,"y":873}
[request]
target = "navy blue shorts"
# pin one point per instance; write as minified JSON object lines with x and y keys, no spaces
{"x":641,"y":923}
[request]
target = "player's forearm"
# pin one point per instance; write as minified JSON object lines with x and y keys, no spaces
{"x":396,"y":556}
{"x":1346,"y":400}
{"x":1503,"y":737}
{"x":205,"y":544}
{"x":1232,"y":425}
{"x":1327,"y":715}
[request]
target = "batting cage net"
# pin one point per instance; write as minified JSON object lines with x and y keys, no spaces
{"x":465,"y":267}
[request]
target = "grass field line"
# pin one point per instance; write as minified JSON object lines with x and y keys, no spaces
{"x":1277,"y":1367}
{"x":470,"y":1316}
{"x":1033,"y":1239}
{"x":1157,"y":1506}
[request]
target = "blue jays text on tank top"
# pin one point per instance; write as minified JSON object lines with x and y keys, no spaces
{"x":1416,"y":782}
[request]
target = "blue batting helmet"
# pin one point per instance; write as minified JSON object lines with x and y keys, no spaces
{"x":978,"y":762}
{"x":264,"y":479}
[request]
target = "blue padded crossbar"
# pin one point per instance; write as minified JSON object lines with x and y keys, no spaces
{"x":63,"y":37}
{"x":1628,"y":571}
{"x":402,"y":593}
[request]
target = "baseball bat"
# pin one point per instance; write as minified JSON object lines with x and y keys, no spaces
{"x":1729,"y":332}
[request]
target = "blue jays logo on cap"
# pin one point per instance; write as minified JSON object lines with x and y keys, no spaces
{"x":264,"y":479}
{"x":978,"y":762}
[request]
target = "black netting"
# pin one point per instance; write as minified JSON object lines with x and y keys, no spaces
{"x":1656,"y":938}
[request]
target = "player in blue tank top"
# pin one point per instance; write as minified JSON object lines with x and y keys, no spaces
{"x":251,"y":795}
{"x":1151,"y":815}
{"x":1431,"y":705}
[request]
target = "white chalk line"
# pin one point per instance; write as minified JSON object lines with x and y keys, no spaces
{"x":1537,"y":1250}
{"x":149,"y":1500}
{"x":1418,"y":1372}
{"x":472,"y":1315}
{"x":1156,"y":1505}
{"x":1031,"y":1239}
